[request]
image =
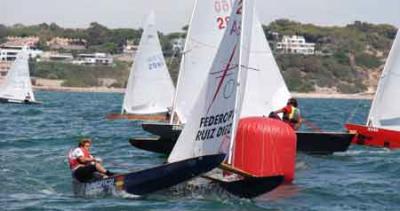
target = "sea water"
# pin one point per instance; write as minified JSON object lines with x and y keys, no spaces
{"x":34,"y":141}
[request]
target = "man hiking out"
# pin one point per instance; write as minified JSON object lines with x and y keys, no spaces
{"x":83,"y":165}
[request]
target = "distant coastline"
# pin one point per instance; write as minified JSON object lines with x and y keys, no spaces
{"x":121,"y":90}
{"x":79,"y":89}
{"x":357,"y":96}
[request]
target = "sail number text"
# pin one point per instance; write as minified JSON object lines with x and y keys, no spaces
{"x":217,"y":126}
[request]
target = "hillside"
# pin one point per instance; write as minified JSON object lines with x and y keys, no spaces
{"x":349,"y":59}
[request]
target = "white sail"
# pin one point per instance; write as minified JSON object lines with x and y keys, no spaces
{"x":17,"y":86}
{"x":266,"y":90}
{"x":150,"y":89}
{"x":210,"y":126}
{"x":385,"y":112}
{"x":207,"y":26}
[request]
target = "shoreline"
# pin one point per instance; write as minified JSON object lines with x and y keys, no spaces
{"x":121,"y":90}
{"x":358,"y":96}
{"x":79,"y":89}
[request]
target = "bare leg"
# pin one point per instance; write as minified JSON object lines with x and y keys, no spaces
{"x":100,"y":168}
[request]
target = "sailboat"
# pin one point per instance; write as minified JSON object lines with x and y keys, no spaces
{"x":383,"y":125}
{"x":212,"y":127}
{"x":266,"y":90}
{"x":150,"y":89}
{"x":195,"y":154}
{"x":17,"y":87}
{"x":207,"y":26}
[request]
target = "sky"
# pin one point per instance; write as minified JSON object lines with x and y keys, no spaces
{"x":171,"y":15}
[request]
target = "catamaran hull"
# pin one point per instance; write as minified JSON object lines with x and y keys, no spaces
{"x":150,"y":180}
{"x":161,"y":117}
{"x":374,"y":137}
{"x":307,"y":142}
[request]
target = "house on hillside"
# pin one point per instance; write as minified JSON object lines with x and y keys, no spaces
{"x":295,"y":45}
{"x":93,"y":59}
{"x":9,"y":52}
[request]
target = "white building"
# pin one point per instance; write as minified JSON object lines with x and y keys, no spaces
{"x":295,"y":45}
{"x":9,"y":53}
{"x":94,"y":58}
{"x":130,"y":47}
{"x":178,"y":44}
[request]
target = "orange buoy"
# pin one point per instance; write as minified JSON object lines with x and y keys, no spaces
{"x":265,"y":147}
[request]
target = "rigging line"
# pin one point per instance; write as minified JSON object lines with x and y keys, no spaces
{"x":203,"y":44}
{"x":250,"y":68}
{"x":231,"y":68}
{"x":235,"y":66}
{"x":312,"y":125}
{"x":354,"y":111}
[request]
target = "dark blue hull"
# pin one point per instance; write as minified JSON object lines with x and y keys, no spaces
{"x":150,"y":180}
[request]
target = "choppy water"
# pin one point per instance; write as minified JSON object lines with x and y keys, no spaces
{"x":34,"y":174}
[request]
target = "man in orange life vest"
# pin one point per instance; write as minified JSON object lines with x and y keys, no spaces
{"x":291,"y":114}
{"x":83,"y":165}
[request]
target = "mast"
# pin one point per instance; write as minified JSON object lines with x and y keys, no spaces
{"x":239,"y":92}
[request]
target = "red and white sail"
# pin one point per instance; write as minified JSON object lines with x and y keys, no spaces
{"x":17,"y":86}
{"x":150,"y":89}
{"x":385,"y":112}
{"x":266,"y":90}
{"x":209,"y":128}
{"x":206,"y":28}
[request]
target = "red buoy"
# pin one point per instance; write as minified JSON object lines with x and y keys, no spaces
{"x":265,"y":147}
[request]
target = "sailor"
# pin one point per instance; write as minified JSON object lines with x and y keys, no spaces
{"x":83,"y":165}
{"x":291,"y":114}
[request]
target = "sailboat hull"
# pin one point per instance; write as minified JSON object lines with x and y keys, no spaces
{"x":150,"y":180}
{"x":6,"y":100}
{"x":251,"y":187}
{"x":153,"y":144}
{"x":160,"y":117}
{"x":307,"y":142}
{"x":323,"y":142}
{"x":374,"y":137}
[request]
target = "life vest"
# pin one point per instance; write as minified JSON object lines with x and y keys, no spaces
{"x":74,"y":162}
{"x":292,"y":116}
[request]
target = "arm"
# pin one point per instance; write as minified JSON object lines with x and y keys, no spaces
{"x":282,"y":110}
{"x":86,"y":160}
{"x":299,"y":122}
{"x":78,"y":154}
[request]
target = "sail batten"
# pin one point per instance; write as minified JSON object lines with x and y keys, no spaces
{"x":150,"y":88}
